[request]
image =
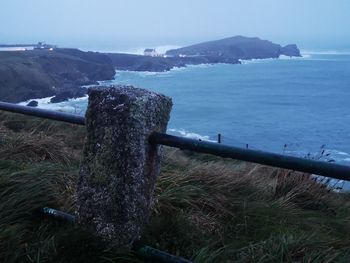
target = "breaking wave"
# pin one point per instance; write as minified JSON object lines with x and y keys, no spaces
{"x":188,"y":134}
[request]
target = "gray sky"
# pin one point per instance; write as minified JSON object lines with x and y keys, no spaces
{"x":118,"y":24}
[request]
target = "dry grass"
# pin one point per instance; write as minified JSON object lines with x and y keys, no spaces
{"x":34,"y":148}
{"x":206,"y":208}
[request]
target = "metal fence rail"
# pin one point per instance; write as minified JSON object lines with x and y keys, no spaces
{"x":278,"y":160}
{"x":47,"y":114}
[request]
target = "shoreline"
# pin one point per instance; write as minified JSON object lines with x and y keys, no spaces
{"x":174,"y":69}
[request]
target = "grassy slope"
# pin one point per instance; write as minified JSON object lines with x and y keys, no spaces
{"x":207,"y":209}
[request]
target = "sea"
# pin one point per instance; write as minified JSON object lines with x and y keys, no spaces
{"x":292,"y":106}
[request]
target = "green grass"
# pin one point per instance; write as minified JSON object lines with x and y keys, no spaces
{"x":207,"y":209}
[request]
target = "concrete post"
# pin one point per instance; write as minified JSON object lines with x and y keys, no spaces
{"x":120,"y":168}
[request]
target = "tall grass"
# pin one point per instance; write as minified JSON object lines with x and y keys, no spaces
{"x":207,"y":209}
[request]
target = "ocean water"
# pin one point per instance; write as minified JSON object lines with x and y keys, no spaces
{"x":298,"y":106}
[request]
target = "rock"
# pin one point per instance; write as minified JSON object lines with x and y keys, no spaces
{"x":69,"y":94}
{"x":291,"y":51}
{"x":61,"y":97}
{"x":237,"y":47}
{"x":33,"y":103}
{"x":120,"y":167}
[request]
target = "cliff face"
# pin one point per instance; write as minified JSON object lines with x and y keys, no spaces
{"x":42,"y":73}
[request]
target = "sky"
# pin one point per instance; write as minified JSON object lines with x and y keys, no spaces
{"x":123,"y":24}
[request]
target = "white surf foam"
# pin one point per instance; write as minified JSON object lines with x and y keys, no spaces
{"x":71,"y":105}
{"x":281,"y":57}
{"x":16,"y":48}
{"x":303,"y":56}
{"x":161,"y":73}
{"x":338,"y":152}
{"x":41,"y":101}
{"x":326,"y":52}
{"x":306,"y":56}
{"x":252,"y":61}
{"x":192,"y":135}
{"x":165,"y":48}
{"x":327,"y":155}
{"x":140,"y":50}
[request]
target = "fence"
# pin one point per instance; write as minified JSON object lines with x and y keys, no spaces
{"x":331,"y":170}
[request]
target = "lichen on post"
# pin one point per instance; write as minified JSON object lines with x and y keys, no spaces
{"x":119,"y":167}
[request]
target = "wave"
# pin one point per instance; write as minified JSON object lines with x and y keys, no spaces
{"x":253,"y":61}
{"x":162,"y":73}
{"x":132,"y":73}
{"x":40,"y":101}
{"x":192,"y":135}
{"x":264,"y":60}
{"x":140,"y":50}
{"x":303,"y":56}
{"x":338,"y":152}
{"x":46,"y":101}
{"x":326,"y":52}
{"x":16,"y":48}
{"x":327,"y":155}
{"x":281,"y":57}
{"x":76,"y":106}
{"x":339,"y":156}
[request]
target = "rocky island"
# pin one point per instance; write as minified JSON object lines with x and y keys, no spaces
{"x":61,"y":72}
{"x":229,"y":50}
{"x":238,"y":47}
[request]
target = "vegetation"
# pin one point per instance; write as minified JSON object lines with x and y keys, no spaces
{"x":207,"y":209}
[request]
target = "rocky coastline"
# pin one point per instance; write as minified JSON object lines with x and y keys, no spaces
{"x":32,"y":74}
{"x":62,"y":72}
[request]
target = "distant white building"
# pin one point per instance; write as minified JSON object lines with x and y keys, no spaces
{"x":44,"y":46}
{"x":150,"y":52}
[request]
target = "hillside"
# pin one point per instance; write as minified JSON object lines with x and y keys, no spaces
{"x":238,"y":47}
{"x":42,"y":73}
{"x":207,"y":209}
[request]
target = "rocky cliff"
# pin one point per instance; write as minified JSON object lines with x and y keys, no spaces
{"x":42,"y":73}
